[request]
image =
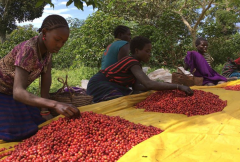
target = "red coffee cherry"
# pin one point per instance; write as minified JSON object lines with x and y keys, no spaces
{"x":94,"y":137}
{"x":175,"y":101}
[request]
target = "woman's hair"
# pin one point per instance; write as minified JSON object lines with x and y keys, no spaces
{"x":53,"y":22}
{"x":138,"y":42}
{"x":120,"y":29}
{"x":199,"y":40}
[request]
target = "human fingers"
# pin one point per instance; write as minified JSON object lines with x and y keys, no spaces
{"x":189,"y":91}
{"x":75,"y":110}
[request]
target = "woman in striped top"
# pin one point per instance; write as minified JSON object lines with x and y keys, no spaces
{"x":116,"y":80}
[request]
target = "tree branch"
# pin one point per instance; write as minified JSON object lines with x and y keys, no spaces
{"x":185,"y":21}
{"x":185,"y":4}
{"x":202,"y":15}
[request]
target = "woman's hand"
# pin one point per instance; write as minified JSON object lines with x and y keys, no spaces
{"x":67,"y":110}
{"x":186,"y":89}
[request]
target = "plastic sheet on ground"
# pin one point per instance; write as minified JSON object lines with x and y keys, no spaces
{"x":210,"y":138}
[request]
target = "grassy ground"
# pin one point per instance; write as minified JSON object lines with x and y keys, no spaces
{"x":74,"y":78}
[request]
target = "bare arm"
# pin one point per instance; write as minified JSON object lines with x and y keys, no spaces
{"x":153,"y":85}
{"x":46,"y":81}
{"x":124,"y":51}
{"x":22,"y":95}
{"x":139,"y":87}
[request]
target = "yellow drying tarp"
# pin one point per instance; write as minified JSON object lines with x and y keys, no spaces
{"x":208,"y":138}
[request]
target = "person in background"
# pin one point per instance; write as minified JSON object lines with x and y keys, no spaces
{"x":19,"y":109}
{"x":115,"y":80}
{"x":231,"y":69}
{"x":119,"y":48}
{"x":198,"y":65}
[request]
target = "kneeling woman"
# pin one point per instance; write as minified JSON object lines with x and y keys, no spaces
{"x":115,"y":80}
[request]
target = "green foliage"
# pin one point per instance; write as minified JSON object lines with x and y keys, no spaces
{"x":218,"y":68}
{"x":20,"y":10}
{"x":17,"y":36}
{"x":65,"y":57}
{"x":169,"y":38}
{"x":77,"y":3}
{"x":89,"y":42}
{"x":224,"y":47}
{"x":221,"y":23}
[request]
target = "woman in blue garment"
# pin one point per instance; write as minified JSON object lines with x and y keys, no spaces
{"x":119,"y":48}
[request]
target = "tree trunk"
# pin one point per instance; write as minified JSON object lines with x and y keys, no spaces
{"x":193,"y":34}
{"x":2,"y":36}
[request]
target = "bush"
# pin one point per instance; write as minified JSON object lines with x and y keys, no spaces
{"x":17,"y":36}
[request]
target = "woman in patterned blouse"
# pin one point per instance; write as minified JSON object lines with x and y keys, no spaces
{"x":19,"y":115}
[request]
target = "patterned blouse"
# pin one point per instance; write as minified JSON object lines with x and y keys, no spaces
{"x":23,"y":55}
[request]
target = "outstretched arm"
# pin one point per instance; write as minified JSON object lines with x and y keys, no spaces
{"x":153,"y":85}
{"x":22,"y":95}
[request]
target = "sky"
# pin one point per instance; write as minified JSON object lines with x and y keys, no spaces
{"x":60,"y":8}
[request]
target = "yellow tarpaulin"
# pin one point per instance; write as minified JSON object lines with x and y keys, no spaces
{"x":212,"y":137}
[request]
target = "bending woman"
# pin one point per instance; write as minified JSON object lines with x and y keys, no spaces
{"x":115,"y":80}
{"x":19,"y":113}
{"x":198,"y":65}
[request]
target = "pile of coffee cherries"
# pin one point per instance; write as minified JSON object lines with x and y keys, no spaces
{"x":233,"y":88}
{"x":92,"y":137}
{"x":175,"y":101}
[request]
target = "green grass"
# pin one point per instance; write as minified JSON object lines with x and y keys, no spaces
{"x":74,"y":78}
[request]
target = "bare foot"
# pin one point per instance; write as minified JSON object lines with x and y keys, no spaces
{"x":221,"y":82}
{"x":209,"y":84}
{"x":232,"y":78}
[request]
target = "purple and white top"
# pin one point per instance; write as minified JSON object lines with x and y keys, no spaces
{"x":24,"y":55}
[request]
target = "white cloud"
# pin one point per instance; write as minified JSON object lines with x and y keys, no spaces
{"x":54,"y":1}
{"x":52,"y":11}
{"x":38,"y":22}
{"x":63,"y":3}
{"x":47,"y":6}
{"x":84,"y":4}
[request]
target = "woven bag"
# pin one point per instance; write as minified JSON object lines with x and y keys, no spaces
{"x":187,"y":80}
{"x":68,"y":95}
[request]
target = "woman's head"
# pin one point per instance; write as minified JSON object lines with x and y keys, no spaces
{"x":123,"y":33}
{"x":55,"y":32}
{"x":141,"y":48}
{"x":201,"y":45}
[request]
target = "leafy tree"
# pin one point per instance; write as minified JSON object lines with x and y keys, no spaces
{"x":65,"y":57}
{"x":77,"y":3}
{"x":74,"y":23}
{"x":12,"y":11}
{"x":170,"y":39}
{"x":89,"y":41}
{"x":192,"y":12}
{"x":17,"y":36}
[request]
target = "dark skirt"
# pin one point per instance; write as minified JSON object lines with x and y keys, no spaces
{"x":17,"y":120}
{"x":102,"y":90}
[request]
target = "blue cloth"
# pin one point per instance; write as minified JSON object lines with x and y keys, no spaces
{"x":195,"y":60}
{"x":103,"y":90}
{"x":17,"y":120}
{"x":110,"y":55}
{"x":235,"y":74}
